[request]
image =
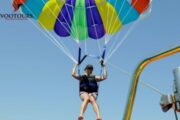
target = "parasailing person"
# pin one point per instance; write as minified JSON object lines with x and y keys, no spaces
{"x":88,"y":88}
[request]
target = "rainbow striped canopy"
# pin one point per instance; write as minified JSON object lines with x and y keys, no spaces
{"x":83,"y":19}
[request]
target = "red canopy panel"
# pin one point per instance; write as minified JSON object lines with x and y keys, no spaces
{"x":18,"y":3}
{"x":140,"y":5}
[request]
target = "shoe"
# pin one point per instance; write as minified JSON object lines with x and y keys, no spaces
{"x":99,"y":119}
{"x":80,"y":118}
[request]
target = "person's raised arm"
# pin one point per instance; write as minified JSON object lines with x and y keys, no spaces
{"x":104,"y":75}
{"x":74,"y":74}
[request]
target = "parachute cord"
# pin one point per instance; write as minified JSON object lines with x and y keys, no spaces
{"x":53,"y":39}
{"x":99,"y":48}
{"x":76,"y":31}
{"x":85,"y":47}
{"x":109,"y":29}
{"x":125,"y":36}
{"x":57,"y":17}
{"x":85,"y":43}
{"x":133,"y":24}
{"x":107,"y":21}
{"x":131,"y":8}
{"x":57,"y":43}
{"x":141,"y":82}
{"x":124,"y":18}
{"x":119,"y":69}
{"x":63,"y":17}
{"x":152,"y":87}
{"x":121,"y":41}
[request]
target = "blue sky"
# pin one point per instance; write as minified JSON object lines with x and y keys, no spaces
{"x":35,"y":76}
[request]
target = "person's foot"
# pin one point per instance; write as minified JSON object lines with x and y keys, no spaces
{"x":99,"y":119}
{"x":80,"y":118}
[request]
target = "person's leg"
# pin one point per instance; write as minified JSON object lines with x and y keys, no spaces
{"x":95,"y":105}
{"x":85,"y":97}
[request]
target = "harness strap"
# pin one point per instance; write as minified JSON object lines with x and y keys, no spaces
{"x":102,"y":57}
{"x":79,"y":57}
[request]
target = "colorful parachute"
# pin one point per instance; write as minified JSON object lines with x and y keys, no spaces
{"x":83,"y":18}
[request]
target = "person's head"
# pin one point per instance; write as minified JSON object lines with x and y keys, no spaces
{"x":89,"y":69}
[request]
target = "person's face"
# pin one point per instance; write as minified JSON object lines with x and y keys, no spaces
{"x":89,"y":71}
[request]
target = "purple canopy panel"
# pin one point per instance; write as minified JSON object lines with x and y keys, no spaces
{"x":63,"y":23}
{"x":94,"y":22}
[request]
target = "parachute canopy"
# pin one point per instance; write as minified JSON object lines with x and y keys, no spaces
{"x":18,"y":3}
{"x":82,"y":19}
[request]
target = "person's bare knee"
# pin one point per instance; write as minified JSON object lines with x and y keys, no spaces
{"x":92,"y":99}
{"x":85,"y":97}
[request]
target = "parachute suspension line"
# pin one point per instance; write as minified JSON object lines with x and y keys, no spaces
{"x":141,"y":82}
{"x":55,"y":42}
{"x":85,"y":43}
{"x":129,"y":11}
{"x":119,"y":69}
{"x":114,"y":42}
{"x":113,"y":23}
{"x":85,"y":47}
{"x":124,"y":18}
{"x":122,"y":40}
{"x":52,"y":14}
{"x":52,"y":39}
{"x":102,"y":60}
{"x":62,"y":16}
{"x":153,"y":88}
{"x":57,"y":17}
{"x":78,"y":41}
{"x":99,"y":48}
{"x":75,"y":28}
{"x":64,"y":19}
{"x":105,"y":39}
{"x":58,"y":42}
{"x":107,"y":22}
{"x":128,"y":32}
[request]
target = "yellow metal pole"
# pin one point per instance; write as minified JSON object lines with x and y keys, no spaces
{"x":138,"y":71}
